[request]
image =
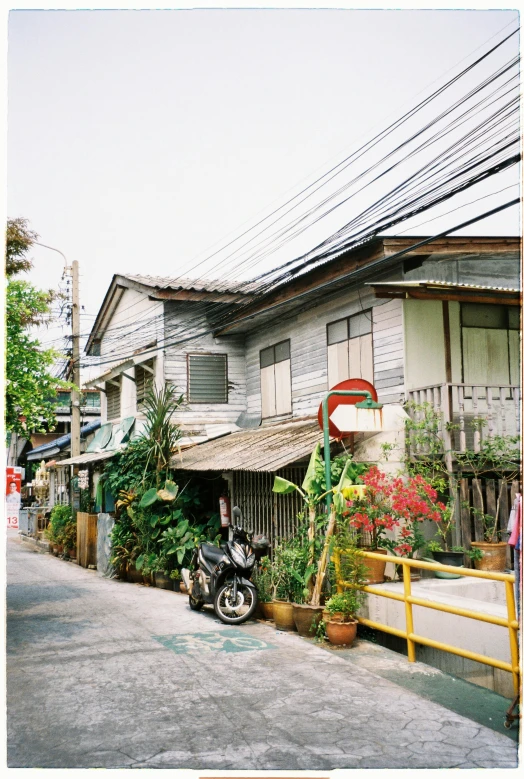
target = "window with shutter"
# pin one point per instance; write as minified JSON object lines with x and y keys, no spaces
{"x":113,"y":400}
{"x":350,"y":348}
{"x":144,"y":379}
{"x":490,"y":345}
{"x":207,"y":378}
{"x":275,"y":380}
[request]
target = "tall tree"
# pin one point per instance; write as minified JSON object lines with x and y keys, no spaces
{"x":30,"y":385}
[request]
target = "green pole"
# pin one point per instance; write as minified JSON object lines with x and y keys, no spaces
{"x":325,"y":425}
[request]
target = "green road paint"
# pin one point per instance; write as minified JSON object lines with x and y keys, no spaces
{"x":218,"y":641}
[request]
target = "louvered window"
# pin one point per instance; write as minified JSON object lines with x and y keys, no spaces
{"x":144,"y":378}
{"x":207,"y":378}
{"x":113,"y":400}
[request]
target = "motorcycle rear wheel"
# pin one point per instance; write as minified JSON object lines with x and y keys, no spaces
{"x":235,"y":614}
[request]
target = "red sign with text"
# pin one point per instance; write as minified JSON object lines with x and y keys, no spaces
{"x":12,"y":495}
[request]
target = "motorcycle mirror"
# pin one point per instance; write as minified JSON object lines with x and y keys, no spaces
{"x":237,"y":514}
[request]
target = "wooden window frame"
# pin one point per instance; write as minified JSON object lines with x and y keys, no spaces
{"x":270,"y":365}
{"x":207,"y":402}
{"x":113,"y":383}
{"x":149,"y":369}
{"x":368,"y":312}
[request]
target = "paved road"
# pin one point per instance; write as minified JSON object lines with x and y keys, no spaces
{"x":107,"y":674}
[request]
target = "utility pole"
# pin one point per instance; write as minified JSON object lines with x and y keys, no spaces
{"x":72,"y":270}
{"x":75,"y":332}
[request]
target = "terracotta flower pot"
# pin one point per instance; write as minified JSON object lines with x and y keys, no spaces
{"x":267,"y":610}
{"x":182,"y":588}
{"x":494,"y":558}
{"x":375,"y":568}
{"x":335,"y":616}
{"x":283,"y":615}
{"x":306,"y":619}
{"x":341,"y":633}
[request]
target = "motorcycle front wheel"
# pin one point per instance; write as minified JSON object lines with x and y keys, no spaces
{"x":194,"y":604}
{"x":234,"y":613}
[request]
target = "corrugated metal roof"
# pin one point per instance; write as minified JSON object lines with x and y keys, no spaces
{"x":197,"y":285}
{"x":88,"y":457}
{"x":265,"y":449}
{"x":437,"y":283}
{"x":52,"y":447}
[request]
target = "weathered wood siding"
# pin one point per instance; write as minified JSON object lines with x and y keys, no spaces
{"x":194,"y":417}
{"x":136,"y":323}
{"x":307,"y":332}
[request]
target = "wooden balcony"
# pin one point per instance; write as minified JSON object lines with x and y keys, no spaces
{"x":468,"y":413}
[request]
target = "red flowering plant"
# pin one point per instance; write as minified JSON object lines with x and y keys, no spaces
{"x":389,"y":503}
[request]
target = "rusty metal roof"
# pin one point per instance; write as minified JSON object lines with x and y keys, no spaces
{"x":267,"y":448}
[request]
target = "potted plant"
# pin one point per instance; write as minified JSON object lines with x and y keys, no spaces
{"x":282,"y":578}
{"x":340,"y":616}
{"x":61,"y":516}
{"x":497,"y":457}
{"x":392,"y":504}
{"x":489,"y":554}
{"x":453,"y":556}
{"x":175,"y":577}
{"x":263,"y":581}
{"x":310,"y":547}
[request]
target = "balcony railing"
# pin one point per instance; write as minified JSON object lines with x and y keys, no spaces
{"x":468,"y":413}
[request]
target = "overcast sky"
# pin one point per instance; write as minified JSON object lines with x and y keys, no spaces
{"x":139,"y":139}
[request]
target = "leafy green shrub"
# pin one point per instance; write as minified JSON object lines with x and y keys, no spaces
{"x":60,"y":523}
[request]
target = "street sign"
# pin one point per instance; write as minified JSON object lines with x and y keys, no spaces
{"x":351,"y":419}
{"x":335,"y":401}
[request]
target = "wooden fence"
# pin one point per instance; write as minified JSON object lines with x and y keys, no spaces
{"x":481,"y":495}
{"x":86,"y":538}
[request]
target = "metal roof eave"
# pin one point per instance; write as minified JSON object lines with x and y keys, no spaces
{"x":429,"y":289}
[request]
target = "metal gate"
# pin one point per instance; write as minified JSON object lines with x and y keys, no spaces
{"x":264,"y":511}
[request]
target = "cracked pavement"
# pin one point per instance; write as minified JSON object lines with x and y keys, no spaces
{"x":88,"y":686}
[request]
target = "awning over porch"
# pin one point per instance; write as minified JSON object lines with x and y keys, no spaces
{"x":446,"y":290}
{"x":267,"y":449}
{"x":88,"y":457}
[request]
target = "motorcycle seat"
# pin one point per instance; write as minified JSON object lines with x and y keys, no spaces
{"x":211,"y":552}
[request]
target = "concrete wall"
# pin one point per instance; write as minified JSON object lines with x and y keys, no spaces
{"x":483,"y":638}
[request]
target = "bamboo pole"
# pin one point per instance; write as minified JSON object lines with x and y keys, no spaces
{"x":322,"y":563}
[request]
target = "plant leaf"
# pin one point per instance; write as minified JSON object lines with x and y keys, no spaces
{"x":283,"y":486}
{"x":169,"y":492}
{"x":315,"y":463}
{"x":148,"y":498}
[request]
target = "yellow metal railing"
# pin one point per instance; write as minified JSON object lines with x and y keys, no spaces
{"x":412,"y":638}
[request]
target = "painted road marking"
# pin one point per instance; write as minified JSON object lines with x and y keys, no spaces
{"x":217,"y":641}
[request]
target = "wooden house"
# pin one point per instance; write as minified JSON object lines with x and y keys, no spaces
{"x":436,"y":323}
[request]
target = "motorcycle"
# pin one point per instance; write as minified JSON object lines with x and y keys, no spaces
{"x":222,"y":575}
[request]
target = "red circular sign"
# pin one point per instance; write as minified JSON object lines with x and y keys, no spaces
{"x":348,"y":400}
